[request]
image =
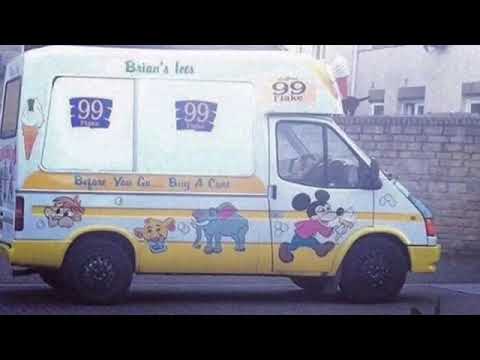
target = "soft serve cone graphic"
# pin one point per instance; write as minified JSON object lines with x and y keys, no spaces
{"x":33,"y":120}
{"x":30,"y":134}
{"x":342,"y":73}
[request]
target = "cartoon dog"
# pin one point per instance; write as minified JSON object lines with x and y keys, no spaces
{"x":155,"y":233}
{"x":317,"y":232}
{"x":65,"y":212}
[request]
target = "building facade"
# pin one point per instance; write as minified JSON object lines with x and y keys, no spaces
{"x":325,"y":52}
{"x":418,"y":79}
{"x":409,"y":79}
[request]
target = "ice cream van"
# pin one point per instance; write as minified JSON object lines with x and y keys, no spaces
{"x":117,"y":162}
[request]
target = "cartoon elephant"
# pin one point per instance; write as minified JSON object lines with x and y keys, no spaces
{"x":218,"y":223}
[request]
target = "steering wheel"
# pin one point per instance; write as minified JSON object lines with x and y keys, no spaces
{"x":304,"y":158}
{"x":337,"y":173}
{"x":315,"y":172}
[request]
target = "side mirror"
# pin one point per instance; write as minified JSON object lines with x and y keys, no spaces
{"x":375,"y":168}
{"x":370,"y":176}
{"x":375,"y":181}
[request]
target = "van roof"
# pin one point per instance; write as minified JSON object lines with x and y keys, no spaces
{"x":182,"y":47}
{"x":226,"y":53}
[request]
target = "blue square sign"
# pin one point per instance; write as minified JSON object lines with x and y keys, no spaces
{"x":93,"y":113}
{"x":196,"y":115}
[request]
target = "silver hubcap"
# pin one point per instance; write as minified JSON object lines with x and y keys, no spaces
{"x":376,"y":269}
{"x":98,"y":272}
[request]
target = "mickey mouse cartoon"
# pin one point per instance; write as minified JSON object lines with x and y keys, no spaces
{"x":316,"y":232}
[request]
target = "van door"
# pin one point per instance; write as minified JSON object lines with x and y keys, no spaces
{"x":8,"y":159}
{"x":316,"y":201}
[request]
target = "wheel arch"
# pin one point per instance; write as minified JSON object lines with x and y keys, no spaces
{"x":390,"y":234}
{"x":122,"y":236}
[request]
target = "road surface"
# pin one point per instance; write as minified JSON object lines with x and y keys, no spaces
{"x":162,"y":295}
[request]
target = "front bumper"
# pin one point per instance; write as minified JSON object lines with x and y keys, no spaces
{"x":424,"y":259}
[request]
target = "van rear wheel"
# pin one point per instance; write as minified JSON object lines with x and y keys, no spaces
{"x":313,"y":285}
{"x":375,"y":270}
{"x":99,"y":271}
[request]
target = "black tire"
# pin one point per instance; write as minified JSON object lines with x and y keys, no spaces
{"x":99,"y":271}
{"x":374,"y":271}
{"x":313,"y":285}
{"x":54,"y":279}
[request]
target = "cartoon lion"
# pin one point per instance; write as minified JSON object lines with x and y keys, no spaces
{"x":155,"y":233}
{"x":65,"y":212}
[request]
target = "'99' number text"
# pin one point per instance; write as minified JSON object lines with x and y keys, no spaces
{"x":289,"y":91}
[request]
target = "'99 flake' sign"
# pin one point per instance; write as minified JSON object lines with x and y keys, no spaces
{"x":92,"y":113}
{"x":196,"y":115}
{"x":292,"y":90}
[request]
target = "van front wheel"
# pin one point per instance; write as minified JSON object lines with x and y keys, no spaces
{"x":99,"y":271}
{"x":375,"y":270}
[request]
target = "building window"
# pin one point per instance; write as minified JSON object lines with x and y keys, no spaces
{"x":473,"y":105}
{"x":412,"y":100}
{"x":412,"y":108}
{"x":377,"y":109}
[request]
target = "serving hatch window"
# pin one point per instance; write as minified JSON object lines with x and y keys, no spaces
{"x":90,"y":126}
{"x":195,"y":128}
{"x":11,"y":108}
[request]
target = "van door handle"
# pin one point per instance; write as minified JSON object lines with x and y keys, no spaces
{"x":274,"y":190}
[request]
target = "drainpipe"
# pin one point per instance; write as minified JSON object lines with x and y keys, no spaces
{"x":354,"y":69}
{"x":318,"y":52}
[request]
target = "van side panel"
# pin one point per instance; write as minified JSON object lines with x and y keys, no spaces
{"x":394,"y":209}
{"x":178,"y":222}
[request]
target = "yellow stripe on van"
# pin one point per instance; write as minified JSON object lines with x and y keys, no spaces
{"x":405,"y":218}
{"x":363,"y":216}
{"x":250,"y":215}
{"x":145,"y":213}
{"x":42,"y":181}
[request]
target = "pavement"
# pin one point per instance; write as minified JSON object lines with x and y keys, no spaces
{"x":234,"y":296}
{"x":206,"y":295}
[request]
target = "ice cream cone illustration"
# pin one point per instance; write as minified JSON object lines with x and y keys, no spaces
{"x":33,"y":120}
{"x":30,"y":134}
{"x":342,"y":74}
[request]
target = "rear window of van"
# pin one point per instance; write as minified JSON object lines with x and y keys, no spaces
{"x":11,"y":109}
{"x":90,"y":126}
{"x":201,"y":128}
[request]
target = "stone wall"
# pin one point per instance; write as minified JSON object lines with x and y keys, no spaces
{"x":438,"y":160}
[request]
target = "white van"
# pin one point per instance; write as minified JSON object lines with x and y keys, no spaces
{"x":123,"y":161}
